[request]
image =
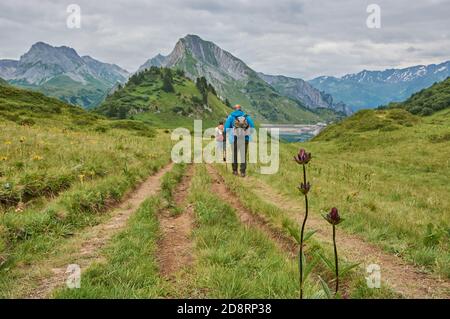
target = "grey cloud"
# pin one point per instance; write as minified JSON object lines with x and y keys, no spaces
{"x":297,"y":38}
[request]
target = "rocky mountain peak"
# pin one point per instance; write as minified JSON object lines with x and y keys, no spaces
{"x":232,"y":78}
{"x":59,"y":70}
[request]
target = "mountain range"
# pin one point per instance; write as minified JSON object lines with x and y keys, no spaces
{"x":62,"y":73}
{"x":236,"y":81}
{"x":427,"y":101}
{"x":299,"y":89}
{"x":369,"y":89}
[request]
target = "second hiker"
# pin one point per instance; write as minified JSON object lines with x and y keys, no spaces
{"x":238,"y":130}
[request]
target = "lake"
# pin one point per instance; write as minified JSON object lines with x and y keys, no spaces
{"x":293,"y":133}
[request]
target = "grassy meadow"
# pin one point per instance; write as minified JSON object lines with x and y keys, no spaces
{"x":388,"y":173}
{"x":61,"y":168}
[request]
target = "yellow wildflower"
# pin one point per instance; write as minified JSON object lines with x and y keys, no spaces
{"x":37,"y":158}
{"x":7,"y":142}
{"x":3,"y":158}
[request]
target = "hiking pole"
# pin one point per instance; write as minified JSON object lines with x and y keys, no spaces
{"x":224,"y":150}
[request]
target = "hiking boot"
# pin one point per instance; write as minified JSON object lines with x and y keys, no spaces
{"x":235,"y":173}
{"x":242,"y":174}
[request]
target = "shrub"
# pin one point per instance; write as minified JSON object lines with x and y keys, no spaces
{"x":26,"y":122}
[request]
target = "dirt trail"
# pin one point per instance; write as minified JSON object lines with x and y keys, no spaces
{"x":175,"y":249}
{"x":401,"y":276}
{"x":247,"y":218}
{"x":84,"y":247}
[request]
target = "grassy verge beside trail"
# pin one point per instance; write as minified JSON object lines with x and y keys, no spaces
{"x":353,"y":282}
{"x":234,"y":261}
{"x":34,"y":234}
{"x":390,"y":183}
{"x":131,"y":269}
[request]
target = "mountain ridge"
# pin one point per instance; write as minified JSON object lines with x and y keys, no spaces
{"x":300,"y":89}
{"x":60,"y":72}
{"x":369,"y":89}
{"x":236,"y":81}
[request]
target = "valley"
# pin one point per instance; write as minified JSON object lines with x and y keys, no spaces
{"x":80,"y":188}
{"x":89,"y":180}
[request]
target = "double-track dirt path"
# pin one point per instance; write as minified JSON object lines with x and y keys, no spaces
{"x":84,"y":247}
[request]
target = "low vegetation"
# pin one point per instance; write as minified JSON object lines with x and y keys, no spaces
{"x":165,"y":98}
{"x":427,"y":101}
{"x":62,"y":171}
{"x":391,"y":183}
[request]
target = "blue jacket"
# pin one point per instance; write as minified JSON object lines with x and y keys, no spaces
{"x":228,"y":126}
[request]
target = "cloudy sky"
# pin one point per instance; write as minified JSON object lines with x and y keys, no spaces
{"x":302,"y":38}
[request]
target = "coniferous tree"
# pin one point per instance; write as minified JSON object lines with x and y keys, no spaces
{"x":202,"y":86}
{"x":180,"y":72}
{"x":167,"y":81}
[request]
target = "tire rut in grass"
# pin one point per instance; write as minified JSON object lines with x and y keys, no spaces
{"x":401,"y":276}
{"x":175,"y":248}
{"x":84,"y":248}
{"x":248,"y":218}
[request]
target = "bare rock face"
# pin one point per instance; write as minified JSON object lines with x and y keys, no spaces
{"x":299,"y":89}
{"x":109,"y":72}
{"x":8,"y":68}
{"x":201,"y":58}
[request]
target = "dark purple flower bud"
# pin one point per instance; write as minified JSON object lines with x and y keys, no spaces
{"x":333,"y":217}
{"x":302,"y":157}
{"x":304,"y":188}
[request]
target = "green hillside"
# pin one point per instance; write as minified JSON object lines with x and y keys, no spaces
{"x":388,"y":172}
{"x":256,"y":96}
{"x":367,"y":121}
{"x":395,"y":116}
{"x":64,"y":170}
{"x":29,"y":108}
{"x":64,"y":88}
{"x":237,"y":82}
{"x":60,"y":168}
{"x":165,"y":98}
{"x":427,"y":101}
{"x":271,"y":106}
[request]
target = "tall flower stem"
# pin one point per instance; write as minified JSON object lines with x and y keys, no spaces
{"x":334,"y":219}
{"x":303,"y":158}
{"x":301,"y":235}
{"x":336,"y":259}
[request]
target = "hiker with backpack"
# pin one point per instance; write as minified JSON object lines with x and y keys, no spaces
{"x":238,"y":129}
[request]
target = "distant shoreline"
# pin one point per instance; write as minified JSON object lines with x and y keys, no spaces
{"x":297,"y":129}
